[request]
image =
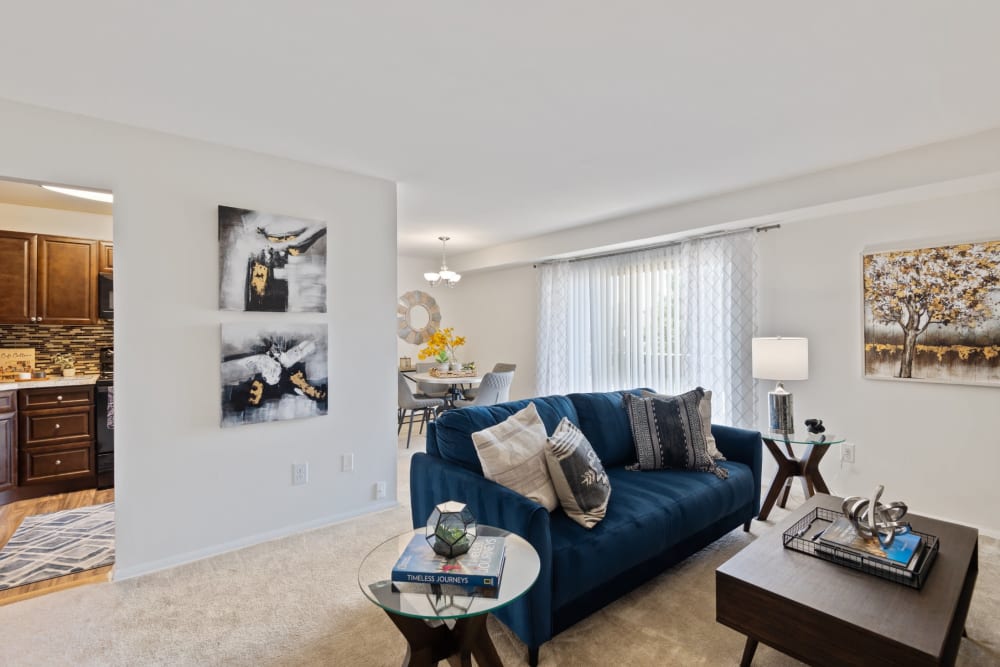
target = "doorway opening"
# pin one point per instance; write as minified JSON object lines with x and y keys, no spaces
{"x":56,"y":387}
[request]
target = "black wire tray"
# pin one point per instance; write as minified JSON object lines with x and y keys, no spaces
{"x":803,"y":537}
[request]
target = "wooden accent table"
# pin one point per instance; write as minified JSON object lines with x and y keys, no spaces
{"x":826,"y":614}
{"x":789,"y":466}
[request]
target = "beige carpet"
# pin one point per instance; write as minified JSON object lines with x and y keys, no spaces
{"x":295,"y":601}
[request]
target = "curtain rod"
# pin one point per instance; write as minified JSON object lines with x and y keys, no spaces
{"x":656,"y":246}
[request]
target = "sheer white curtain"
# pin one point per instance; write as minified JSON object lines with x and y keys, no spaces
{"x":671,"y":318}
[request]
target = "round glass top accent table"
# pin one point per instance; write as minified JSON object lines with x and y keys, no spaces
{"x":789,"y":466}
{"x":420,"y":616}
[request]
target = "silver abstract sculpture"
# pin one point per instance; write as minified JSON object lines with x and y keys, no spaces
{"x":874,"y":520}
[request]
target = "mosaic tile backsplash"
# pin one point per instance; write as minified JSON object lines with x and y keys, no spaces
{"x":83,"y":342}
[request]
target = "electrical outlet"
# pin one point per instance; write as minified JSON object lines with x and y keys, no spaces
{"x":300,"y":474}
{"x":379,"y":490}
{"x":847,"y":452}
{"x":347,"y":463}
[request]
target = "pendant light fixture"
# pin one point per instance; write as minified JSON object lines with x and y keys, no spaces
{"x":443,"y":275}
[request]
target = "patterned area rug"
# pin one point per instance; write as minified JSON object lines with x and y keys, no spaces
{"x":46,"y":546}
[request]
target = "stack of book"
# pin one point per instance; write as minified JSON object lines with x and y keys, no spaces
{"x":474,"y":573}
{"x":900,"y":559}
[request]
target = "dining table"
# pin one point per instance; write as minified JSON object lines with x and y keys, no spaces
{"x":455,"y":384}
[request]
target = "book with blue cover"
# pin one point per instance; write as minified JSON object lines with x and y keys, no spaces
{"x":900,"y":553}
{"x":439,"y":590}
{"x":476,"y":571}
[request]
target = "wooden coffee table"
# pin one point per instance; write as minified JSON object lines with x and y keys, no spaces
{"x":826,"y":614}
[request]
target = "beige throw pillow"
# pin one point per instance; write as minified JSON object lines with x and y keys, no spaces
{"x":512,"y":454}
{"x":705,"y":411}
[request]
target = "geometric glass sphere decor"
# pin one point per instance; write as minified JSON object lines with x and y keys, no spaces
{"x":451,"y":529}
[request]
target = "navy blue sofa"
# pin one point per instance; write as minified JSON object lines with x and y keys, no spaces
{"x":654,"y":518}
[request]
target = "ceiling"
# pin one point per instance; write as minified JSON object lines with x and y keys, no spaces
{"x":503,"y":120}
{"x":31,"y":194}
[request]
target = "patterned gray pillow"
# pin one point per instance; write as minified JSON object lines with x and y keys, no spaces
{"x":668,"y":433}
{"x":705,"y":412}
{"x":581,"y":483}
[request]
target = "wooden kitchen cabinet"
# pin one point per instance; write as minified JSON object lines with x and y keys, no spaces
{"x":47,"y":279}
{"x":67,"y":280}
{"x":73,"y":396}
{"x":18,"y":271}
{"x":55,"y":438}
{"x":106,"y":256}
{"x":8,"y":440}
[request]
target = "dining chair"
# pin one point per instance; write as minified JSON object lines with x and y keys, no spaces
{"x":411,"y":409}
{"x":495,"y":388}
{"x":428,"y":389}
{"x":497,"y":368}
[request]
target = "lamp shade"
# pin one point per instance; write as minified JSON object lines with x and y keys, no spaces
{"x":780,"y":358}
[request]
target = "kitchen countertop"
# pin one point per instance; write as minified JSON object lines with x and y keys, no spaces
{"x":50,"y":381}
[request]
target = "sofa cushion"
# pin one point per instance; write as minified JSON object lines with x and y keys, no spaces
{"x":512,"y":453}
{"x":647,"y":514}
{"x":668,"y":433}
{"x":577,"y":474}
{"x":705,"y":412}
{"x":605,"y":423}
{"x":453,"y":429}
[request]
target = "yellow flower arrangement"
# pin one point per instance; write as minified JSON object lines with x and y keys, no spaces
{"x":441,"y":345}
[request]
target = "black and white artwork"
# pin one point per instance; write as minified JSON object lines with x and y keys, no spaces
{"x":271,"y":263}
{"x":273,"y":372}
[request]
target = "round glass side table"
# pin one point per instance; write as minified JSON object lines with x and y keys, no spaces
{"x":789,"y":466}
{"x":421,"y":617}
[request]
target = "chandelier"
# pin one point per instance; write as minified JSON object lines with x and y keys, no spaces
{"x":443,"y":275}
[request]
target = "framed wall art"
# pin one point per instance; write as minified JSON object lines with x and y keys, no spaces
{"x":933,"y":314}
{"x":273,"y":372}
{"x":271,"y":263}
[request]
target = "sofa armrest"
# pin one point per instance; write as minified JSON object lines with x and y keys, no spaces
{"x":743,"y":446}
{"x":433,"y":481}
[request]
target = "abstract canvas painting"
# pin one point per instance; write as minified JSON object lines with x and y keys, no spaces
{"x":273,"y":372}
{"x":271,"y":263}
{"x":933,"y":314}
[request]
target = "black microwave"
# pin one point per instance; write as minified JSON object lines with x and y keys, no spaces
{"x":106,"y":296}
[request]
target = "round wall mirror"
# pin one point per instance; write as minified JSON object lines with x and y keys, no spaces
{"x":417,"y":317}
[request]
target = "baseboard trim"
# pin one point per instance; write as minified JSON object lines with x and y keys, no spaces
{"x":119,"y":574}
{"x":983,"y":530}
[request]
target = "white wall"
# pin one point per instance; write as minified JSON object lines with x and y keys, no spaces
{"x":960,"y":165}
{"x":56,"y":222}
{"x":184,"y":487}
{"x":934,"y":446}
{"x":496,"y":311}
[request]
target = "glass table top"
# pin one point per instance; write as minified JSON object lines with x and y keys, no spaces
{"x":520,"y":571}
{"x":804,"y":438}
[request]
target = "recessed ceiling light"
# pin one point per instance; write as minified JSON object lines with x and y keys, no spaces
{"x":105,"y":197}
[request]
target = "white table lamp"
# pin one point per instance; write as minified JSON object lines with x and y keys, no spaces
{"x":780,"y":359}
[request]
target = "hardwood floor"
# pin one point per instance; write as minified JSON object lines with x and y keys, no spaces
{"x":13,"y":514}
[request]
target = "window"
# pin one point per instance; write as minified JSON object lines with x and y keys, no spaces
{"x":669,"y":318}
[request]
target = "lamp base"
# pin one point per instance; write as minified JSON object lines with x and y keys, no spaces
{"x":779,"y":412}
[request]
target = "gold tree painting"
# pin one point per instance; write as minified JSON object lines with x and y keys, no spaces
{"x":933,"y":314}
